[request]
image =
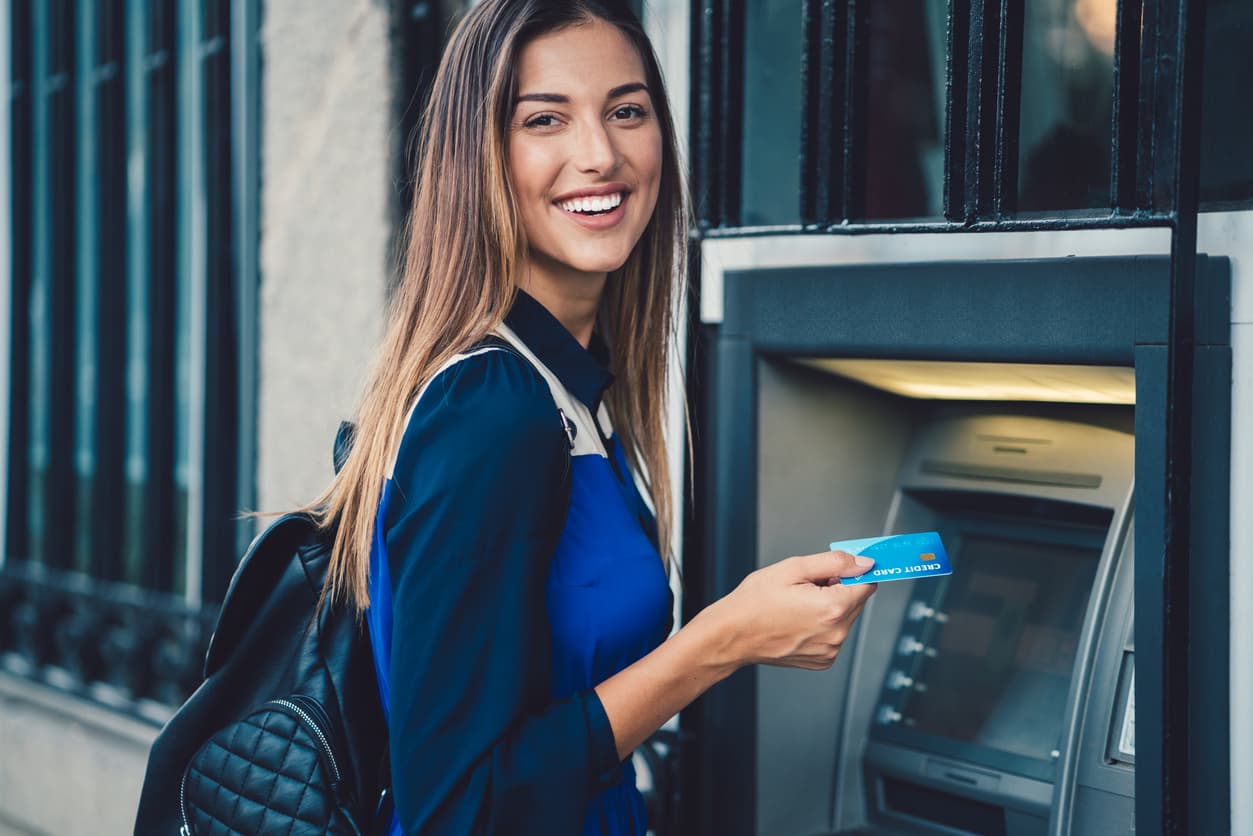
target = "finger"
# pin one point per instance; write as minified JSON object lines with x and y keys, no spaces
{"x":845,"y":603}
{"x":826,"y":565}
{"x":854,"y":596}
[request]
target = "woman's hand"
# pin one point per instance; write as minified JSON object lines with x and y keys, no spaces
{"x":793,"y":613}
{"x":789,"y":614}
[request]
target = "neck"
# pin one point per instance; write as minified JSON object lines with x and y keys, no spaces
{"x":571,"y":296}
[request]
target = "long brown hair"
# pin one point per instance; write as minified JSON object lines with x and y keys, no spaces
{"x":464,"y":244}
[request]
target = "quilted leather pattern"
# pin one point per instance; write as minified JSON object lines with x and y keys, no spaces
{"x":272,"y":642}
{"x":266,"y":773}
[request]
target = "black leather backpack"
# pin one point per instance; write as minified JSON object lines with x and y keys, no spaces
{"x":286,"y":733}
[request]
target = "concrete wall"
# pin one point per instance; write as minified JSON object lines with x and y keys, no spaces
{"x":1231,"y":234}
{"x":66,"y":766}
{"x":325,"y":225}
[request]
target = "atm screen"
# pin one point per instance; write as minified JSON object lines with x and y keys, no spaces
{"x":993,"y":667}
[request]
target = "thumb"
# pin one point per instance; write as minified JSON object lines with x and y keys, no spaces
{"x":824,"y":566}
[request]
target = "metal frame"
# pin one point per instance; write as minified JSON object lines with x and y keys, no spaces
{"x":419,"y":27}
{"x":717,"y":78}
{"x":983,"y":85}
{"x":158,"y":220}
{"x":108,"y":249}
{"x":55,"y":70}
{"x":219,"y":465}
{"x":19,"y":98}
{"x":193,"y":246}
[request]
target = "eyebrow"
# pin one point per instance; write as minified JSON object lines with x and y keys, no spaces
{"x":558,"y":98}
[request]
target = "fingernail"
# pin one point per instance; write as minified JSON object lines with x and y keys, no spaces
{"x":864,"y":562}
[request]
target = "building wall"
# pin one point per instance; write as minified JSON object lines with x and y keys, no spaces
{"x":1231,"y":234}
{"x":67,"y":766}
{"x":325,"y":197}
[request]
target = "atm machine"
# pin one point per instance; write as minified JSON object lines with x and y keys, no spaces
{"x":994,"y":701}
{"x":977,"y":699}
{"x":999,"y":700}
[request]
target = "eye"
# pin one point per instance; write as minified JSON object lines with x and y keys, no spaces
{"x":541,"y":120}
{"x":629,"y":112}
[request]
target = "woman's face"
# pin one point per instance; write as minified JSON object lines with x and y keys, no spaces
{"x":584,"y":150}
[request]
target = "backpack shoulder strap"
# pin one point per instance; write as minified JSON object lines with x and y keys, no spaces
{"x":565,"y":402}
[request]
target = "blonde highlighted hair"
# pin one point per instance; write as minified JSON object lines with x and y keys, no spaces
{"x":464,"y":245}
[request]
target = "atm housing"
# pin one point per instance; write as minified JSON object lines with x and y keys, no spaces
{"x":958,"y":704}
{"x":1027,"y":723}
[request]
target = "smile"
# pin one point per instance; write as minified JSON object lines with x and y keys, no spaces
{"x":593,"y":205}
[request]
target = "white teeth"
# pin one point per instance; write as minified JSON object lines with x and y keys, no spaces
{"x":602,"y":203}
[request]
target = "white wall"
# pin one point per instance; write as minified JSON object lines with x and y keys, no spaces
{"x":325,"y":200}
{"x":67,"y":766}
{"x":1231,"y":234}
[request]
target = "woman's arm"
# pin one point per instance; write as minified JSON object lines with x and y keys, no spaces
{"x":477,"y":744}
{"x":784,"y":614}
{"x":479,"y":498}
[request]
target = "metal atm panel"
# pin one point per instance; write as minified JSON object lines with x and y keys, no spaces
{"x":771,"y":753}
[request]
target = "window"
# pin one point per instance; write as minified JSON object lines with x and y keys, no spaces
{"x":903,"y":129}
{"x":123,"y":477}
{"x":1226,"y":118}
{"x":955,"y":115}
{"x":1067,"y":94}
{"x":773,"y":33}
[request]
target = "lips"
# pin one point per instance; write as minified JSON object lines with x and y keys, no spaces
{"x":599,"y":219}
{"x":593,"y":191}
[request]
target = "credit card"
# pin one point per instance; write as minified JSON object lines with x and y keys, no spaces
{"x":900,"y":557}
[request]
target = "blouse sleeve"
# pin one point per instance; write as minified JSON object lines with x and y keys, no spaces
{"x":477,"y":744}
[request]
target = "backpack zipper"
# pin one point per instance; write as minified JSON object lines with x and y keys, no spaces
{"x":315,"y":726}
{"x":305,"y":716}
{"x":185,"y":830}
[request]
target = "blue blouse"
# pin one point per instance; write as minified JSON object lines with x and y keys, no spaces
{"x":514,"y":568}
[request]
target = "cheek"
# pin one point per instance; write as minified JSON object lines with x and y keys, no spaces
{"x":649,"y":164}
{"x":526,"y":170}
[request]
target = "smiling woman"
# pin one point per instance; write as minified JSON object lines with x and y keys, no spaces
{"x":487,"y":521}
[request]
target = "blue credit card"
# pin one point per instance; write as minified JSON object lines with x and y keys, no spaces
{"x":900,"y":557}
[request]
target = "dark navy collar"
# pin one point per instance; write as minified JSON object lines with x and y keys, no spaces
{"x":583,"y":371}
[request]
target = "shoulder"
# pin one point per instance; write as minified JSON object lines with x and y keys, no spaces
{"x":491,"y":399}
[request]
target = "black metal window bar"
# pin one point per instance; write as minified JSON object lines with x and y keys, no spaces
{"x":94,"y":587}
{"x":418,"y":26}
{"x":221,"y":463}
{"x":984,"y":98}
{"x":1153,"y":181}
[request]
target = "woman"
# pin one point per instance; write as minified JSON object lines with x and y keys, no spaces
{"x":511,"y":573}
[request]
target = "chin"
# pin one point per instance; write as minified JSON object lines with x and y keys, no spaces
{"x":598,"y":263}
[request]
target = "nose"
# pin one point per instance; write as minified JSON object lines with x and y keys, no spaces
{"x":596,"y":152}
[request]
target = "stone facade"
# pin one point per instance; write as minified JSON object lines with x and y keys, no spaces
{"x":66,"y":766}
{"x":326,"y":164}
